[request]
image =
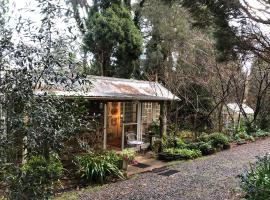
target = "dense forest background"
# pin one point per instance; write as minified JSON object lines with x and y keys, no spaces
{"x":209,"y":53}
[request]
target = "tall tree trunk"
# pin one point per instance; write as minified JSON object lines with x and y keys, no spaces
{"x":220,"y":121}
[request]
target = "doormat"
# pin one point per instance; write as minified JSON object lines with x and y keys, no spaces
{"x":161,"y":169}
{"x":169,"y":172}
{"x":141,"y":165}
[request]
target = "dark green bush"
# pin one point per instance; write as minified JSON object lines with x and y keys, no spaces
{"x":35,"y":179}
{"x":217,"y":140}
{"x":183,"y":153}
{"x":97,"y":167}
{"x":206,"y":148}
{"x":193,"y":145}
{"x":256,"y":182}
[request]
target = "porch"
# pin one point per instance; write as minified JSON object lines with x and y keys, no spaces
{"x":126,"y":124}
{"x":145,"y":163}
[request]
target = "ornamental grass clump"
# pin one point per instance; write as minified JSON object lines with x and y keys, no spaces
{"x":256,"y":182}
{"x":96,"y":167}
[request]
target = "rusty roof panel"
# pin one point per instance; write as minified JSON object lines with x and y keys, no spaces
{"x":108,"y":88}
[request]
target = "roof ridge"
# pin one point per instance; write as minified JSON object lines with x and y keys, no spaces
{"x":120,"y":79}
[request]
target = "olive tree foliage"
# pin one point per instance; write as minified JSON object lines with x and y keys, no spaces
{"x":5,"y":47}
{"x":38,"y":60}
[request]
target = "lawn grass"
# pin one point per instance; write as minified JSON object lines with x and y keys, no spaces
{"x":67,"y":196}
{"x":73,"y":195}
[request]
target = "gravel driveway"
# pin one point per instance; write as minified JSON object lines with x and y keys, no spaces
{"x":212,"y":177}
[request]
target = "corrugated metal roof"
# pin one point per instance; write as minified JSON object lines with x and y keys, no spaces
{"x":108,"y":88}
{"x":236,"y":108}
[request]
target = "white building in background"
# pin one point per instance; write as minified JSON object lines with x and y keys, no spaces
{"x":233,"y":112}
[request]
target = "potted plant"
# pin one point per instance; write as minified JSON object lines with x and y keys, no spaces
{"x":128,"y":156}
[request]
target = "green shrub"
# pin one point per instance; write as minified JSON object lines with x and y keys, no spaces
{"x":206,"y":148}
{"x":35,"y":179}
{"x":203,"y":137}
{"x":217,"y":140}
{"x":261,"y":133}
{"x":256,"y":182}
{"x":243,"y":136}
{"x":173,"y":142}
{"x":192,"y":145}
{"x":180,"y":143}
{"x":183,"y":153}
{"x":97,"y":167}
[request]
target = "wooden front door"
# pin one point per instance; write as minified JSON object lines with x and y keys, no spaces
{"x":113,"y":124}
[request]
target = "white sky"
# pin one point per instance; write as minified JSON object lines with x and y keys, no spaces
{"x":28,"y":9}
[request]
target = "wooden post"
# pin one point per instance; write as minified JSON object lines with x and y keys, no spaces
{"x":123,"y":127}
{"x":123,"y":138}
{"x":105,"y":127}
{"x":163,"y":119}
{"x":139,"y":116}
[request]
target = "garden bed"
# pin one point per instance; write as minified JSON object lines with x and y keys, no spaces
{"x":175,"y":148}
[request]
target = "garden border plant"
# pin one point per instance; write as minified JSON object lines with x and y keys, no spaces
{"x":175,"y":148}
{"x":255,"y":182}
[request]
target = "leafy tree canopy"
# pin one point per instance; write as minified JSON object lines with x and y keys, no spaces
{"x":114,"y":40}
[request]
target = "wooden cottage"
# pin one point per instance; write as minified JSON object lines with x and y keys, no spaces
{"x":127,"y":107}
